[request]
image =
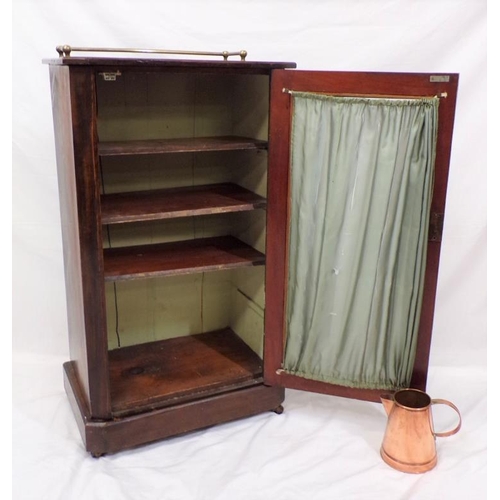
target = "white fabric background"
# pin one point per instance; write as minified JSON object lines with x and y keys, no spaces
{"x":321,"y":447}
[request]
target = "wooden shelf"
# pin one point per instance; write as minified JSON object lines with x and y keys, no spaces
{"x":180,"y":257}
{"x":183,"y":145}
{"x":167,"y":372}
{"x":178,"y":202}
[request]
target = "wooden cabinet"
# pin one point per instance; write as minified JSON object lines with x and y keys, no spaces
{"x":174,"y":191}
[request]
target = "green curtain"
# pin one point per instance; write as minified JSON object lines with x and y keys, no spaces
{"x":361,"y":187}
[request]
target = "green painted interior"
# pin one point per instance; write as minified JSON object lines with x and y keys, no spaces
{"x":160,"y":106}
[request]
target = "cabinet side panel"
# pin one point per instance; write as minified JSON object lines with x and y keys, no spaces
{"x":74,"y":122}
{"x":84,"y":123}
{"x":61,"y":110}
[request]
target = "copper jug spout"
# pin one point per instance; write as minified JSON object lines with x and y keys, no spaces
{"x":388,"y":402}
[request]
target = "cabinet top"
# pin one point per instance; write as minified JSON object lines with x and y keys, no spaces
{"x":150,"y":62}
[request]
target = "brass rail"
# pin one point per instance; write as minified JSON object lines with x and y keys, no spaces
{"x":65,"y":51}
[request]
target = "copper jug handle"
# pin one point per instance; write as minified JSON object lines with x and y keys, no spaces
{"x":450,"y":404}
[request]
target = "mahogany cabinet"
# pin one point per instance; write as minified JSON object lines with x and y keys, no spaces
{"x":175,"y":192}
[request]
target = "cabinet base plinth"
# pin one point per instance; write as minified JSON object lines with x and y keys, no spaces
{"x":111,"y":436}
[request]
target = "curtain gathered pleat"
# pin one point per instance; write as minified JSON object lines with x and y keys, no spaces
{"x":361,"y":188}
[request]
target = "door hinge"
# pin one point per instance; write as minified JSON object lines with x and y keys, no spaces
{"x":436,"y":223}
{"x":110,"y":76}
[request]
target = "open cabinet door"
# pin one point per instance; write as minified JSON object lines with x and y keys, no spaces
{"x":358,"y":169}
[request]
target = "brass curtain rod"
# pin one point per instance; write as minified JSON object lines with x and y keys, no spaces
{"x":375,"y":96}
{"x":65,"y":51}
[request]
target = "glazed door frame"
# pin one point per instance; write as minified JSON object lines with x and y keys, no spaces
{"x":351,"y":84}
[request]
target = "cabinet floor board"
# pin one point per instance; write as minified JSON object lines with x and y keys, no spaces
{"x":168,"y":372}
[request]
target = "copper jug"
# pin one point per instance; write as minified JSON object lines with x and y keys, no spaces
{"x":409,"y":443}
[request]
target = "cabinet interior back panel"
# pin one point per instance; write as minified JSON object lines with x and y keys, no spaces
{"x":162,"y":308}
{"x":141,"y":311}
{"x":137,"y":173}
{"x":138,"y":106}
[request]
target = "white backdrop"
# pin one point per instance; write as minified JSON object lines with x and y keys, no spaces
{"x":321,"y":447}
